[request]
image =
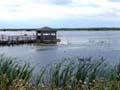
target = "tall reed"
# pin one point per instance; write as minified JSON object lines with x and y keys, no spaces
{"x":66,"y":74}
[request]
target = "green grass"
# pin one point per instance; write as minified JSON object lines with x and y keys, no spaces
{"x":67,"y":74}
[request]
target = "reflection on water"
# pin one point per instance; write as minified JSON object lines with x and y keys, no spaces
{"x":46,"y":48}
{"x":99,"y":41}
{"x":90,"y":41}
{"x":73,"y":44}
{"x":91,"y":38}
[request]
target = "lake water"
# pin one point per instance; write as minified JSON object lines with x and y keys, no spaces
{"x":94,"y":44}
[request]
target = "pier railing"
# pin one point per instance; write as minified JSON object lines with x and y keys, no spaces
{"x":4,"y":39}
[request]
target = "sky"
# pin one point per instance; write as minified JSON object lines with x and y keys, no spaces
{"x":59,"y":13}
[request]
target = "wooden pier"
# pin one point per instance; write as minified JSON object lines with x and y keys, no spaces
{"x":43,"y":35}
{"x":20,"y":39}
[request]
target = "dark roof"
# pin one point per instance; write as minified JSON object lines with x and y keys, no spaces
{"x":46,"y":29}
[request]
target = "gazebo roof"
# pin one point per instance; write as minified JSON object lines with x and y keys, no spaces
{"x":46,"y":29}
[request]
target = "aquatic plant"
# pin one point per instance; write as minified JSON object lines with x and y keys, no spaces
{"x":74,"y":74}
{"x":11,"y":72}
{"x":66,"y":74}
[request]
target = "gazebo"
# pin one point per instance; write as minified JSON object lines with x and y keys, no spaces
{"x":46,"y":35}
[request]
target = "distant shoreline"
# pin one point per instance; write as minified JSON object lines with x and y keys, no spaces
{"x":88,"y":29}
{"x":66,"y":29}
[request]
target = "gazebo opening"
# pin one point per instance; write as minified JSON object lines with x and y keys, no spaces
{"x":46,"y":35}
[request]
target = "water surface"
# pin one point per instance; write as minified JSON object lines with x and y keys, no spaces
{"x":94,"y":44}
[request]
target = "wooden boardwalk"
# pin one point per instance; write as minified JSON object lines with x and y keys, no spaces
{"x":19,"y":39}
{"x":45,"y":35}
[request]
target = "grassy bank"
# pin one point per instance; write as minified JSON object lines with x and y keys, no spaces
{"x":67,"y":74}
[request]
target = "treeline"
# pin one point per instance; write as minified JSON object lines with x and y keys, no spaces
{"x":88,"y":29}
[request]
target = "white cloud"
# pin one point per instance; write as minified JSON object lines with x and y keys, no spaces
{"x":57,"y":2}
{"x":54,"y":11}
{"x":58,"y":9}
{"x":21,"y":9}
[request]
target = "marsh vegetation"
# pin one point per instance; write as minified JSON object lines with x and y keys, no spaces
{"x":67,"y":74}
